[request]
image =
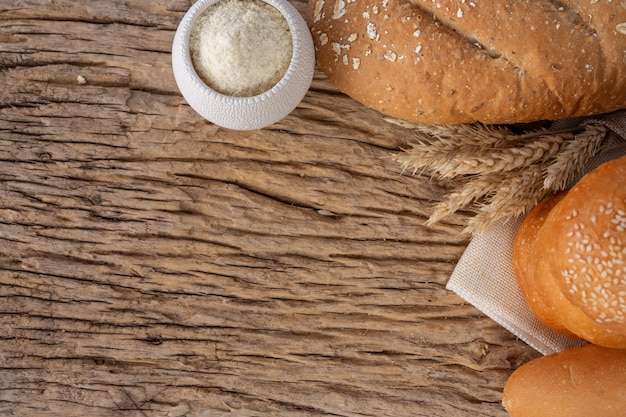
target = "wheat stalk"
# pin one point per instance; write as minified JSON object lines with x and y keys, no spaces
{"x":493,"y":197}
{"x":502,"y":174}
{"x":574,"y":156}
{"x":519,"y":193}
{"x":449,"y":162}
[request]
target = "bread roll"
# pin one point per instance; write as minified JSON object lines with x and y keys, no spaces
{"x":569,"y":315}
{"x":586,"y":381}
{"x":571,"y":267}
{"x":523,"y":260}
{"x":453,"y":62}
{"x":589,"y":225}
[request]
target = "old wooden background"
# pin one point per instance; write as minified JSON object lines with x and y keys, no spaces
{"x":153,"y":264}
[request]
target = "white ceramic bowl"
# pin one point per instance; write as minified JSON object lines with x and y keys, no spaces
{"x":246,"y":113}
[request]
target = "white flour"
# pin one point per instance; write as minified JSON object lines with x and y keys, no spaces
{"x":241,"y":48}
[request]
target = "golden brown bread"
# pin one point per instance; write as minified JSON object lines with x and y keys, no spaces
{"x":591,"y":229}
{"x":572,"y":266}
{"x":458,"y":62}
{"x":569,"y":315}
{"x":580,"y":382}
{"x":524,"y":259}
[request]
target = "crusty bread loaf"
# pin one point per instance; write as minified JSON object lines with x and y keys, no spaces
{"x":580,"y":382}
{"x":453,"y":62}
{"x":571,"y":267}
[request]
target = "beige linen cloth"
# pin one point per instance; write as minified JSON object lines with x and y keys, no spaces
{"x":484,"y":275}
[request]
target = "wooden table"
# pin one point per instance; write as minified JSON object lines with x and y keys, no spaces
{"x":153,"y":264}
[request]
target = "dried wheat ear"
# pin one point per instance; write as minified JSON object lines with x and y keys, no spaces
{"x":498,"y":173}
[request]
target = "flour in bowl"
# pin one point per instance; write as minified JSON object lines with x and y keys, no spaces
{"x":241,"y":48}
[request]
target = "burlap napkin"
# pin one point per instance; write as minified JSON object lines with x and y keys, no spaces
{"x":484,"y":275}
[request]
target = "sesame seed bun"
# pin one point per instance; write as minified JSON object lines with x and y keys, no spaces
{"x":569,"y":315}
{"x":523,"y":259}
{"x":584,"y":237}
{"x":578,"y":268}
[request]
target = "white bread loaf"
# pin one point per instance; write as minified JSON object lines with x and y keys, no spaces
{"x":460,"y":61}
{"x":587,"y":381}
{"x":569,"y":257}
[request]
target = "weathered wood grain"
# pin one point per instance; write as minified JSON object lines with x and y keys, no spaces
{"x":152,"y":264}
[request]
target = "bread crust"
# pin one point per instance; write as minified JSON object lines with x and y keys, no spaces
{"x":524,"y":259}
{"x":569,"y":315}
{"x":584,"y":241}
{"x":579,"y":382}
{"x":494,"y":62}
{"x":576,"y":278}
